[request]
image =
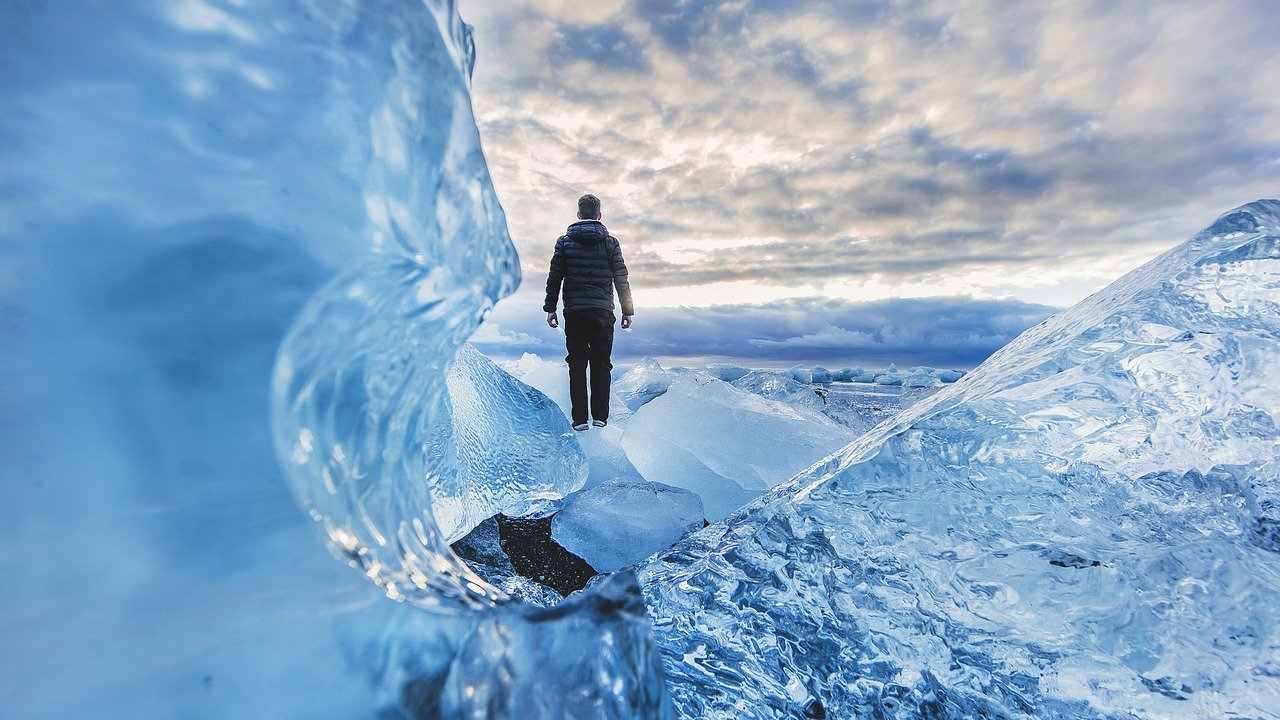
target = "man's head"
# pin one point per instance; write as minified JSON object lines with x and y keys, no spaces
{"x":588,"y":207}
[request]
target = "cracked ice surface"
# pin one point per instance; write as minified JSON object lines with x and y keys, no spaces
{"x":1084,"y":526}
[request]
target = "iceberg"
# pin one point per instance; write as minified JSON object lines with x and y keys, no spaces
{"x":802,"y":375}
{"x":948,"y":376}
{"x":726,"y":372}
{"x":920,"y":377}
{"x":1083,"y":528}
{"x":780,"y":386}
{"x":618,"y":524}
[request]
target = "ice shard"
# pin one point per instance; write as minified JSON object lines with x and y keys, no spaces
{"x":1082,"y":527}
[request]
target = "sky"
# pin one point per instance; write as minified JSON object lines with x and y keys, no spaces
{"x":866,"y":181}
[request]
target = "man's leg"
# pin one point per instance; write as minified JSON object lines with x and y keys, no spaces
{"x":601,"y":364}
{"x":577,"y":336}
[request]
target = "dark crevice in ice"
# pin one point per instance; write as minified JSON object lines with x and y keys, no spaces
{"x":503,"y":546}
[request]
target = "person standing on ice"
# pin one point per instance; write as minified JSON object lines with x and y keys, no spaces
{"x":588,"y":263}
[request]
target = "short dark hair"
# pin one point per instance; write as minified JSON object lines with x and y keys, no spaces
{"x":589,"y":207}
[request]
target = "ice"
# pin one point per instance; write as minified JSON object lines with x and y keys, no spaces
{"x":920,"y":377}
{"x":821,"y":376}
{"x":726,"y":372}
{"x":725,"y":444}
{"x":185,"y":185}
{"x":853,"y":375}
{"x":636,"y":446}
{"x":618,"y":524}
{"x":948,"y":376}
{"x":644,"y":382}
{"x":780,"y":386}
{"x":1084,"y":527}
{"x":802,"y":375}
{"x":514,"y":447}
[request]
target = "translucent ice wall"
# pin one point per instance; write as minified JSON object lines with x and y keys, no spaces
{"x":1085,"y":526}
{"x":187,"y":188}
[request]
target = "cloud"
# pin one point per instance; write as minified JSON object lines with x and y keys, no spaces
{"x":867,"y":148}
{"x":942,"y":332}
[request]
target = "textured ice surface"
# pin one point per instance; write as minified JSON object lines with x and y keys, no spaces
{"x":780,"y":386}
{"x":180,"y":181}
{"x":514,"y":447}
{"x":723,"y":443}
{"x":1082,"y":527}
{"x":621,"y":523}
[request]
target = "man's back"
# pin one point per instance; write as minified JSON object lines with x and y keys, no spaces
{"x":588,"y":261}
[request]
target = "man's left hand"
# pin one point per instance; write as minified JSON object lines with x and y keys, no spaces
{"x":626,"y":322}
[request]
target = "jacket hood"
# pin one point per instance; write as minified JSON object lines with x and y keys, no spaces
{"x":587,"y":232}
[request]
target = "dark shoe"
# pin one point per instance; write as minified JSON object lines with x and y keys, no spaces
{"x":581,"y":426}
{"x":599,"y":423}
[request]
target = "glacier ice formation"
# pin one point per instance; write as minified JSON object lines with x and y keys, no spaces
{"x":191,"y":188}
{"x":1082,"y":527}
{"x":1086,"y":526}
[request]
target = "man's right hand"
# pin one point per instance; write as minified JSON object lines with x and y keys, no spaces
{"x":552,"y":320}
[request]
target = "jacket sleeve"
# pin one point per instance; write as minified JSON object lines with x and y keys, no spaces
{"x":554,"y":278}
{"x":620,"y":279}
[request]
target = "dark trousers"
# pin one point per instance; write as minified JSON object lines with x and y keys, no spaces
{"x":588,"y":335}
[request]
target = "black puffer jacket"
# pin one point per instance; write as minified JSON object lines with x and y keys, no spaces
{"x":588,"y":260}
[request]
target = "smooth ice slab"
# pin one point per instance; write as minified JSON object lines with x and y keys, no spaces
{"x":618,"y":524}
{"x":1082,"y":527}
{"x":725,"y":444}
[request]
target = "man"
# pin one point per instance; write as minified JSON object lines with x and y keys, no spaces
{"x":588,"y":261}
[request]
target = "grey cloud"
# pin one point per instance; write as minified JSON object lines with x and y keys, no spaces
{"x":943,"y":332}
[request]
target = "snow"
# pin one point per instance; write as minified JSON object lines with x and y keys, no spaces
{"x":1086,"y":523}
{"x":617,"y":524}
